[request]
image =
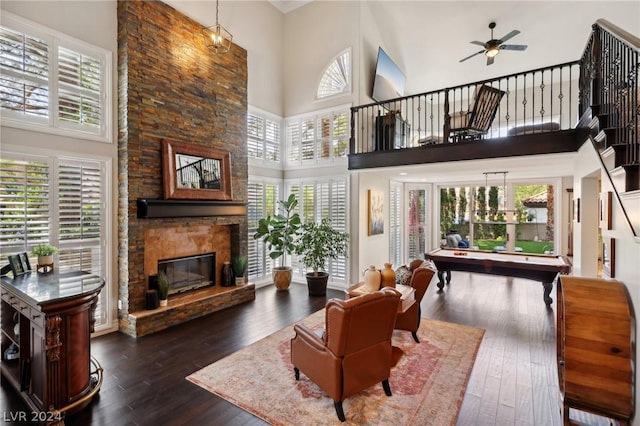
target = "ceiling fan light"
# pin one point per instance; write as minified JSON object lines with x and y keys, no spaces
{"x":492,"y":51}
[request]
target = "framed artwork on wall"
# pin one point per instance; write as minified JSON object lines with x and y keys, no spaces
{"x":376,"y":212}
{"x":606,"y":199}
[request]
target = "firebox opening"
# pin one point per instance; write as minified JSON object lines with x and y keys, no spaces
{"x":189,"y":272}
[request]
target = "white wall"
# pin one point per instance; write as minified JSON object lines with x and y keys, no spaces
{"x":310,"y":46}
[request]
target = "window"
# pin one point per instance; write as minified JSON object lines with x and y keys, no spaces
{"x":59,"y":201}
{"x":395,"y":224}
{"x":319,"y":199}
{"x":336,"y":78}
{"x":263,"y":137}
{"x":318,"y":138}
{"x":262,"y":201}
{"x":52,"y":82}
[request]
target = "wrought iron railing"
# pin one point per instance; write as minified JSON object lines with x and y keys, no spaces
{"x":609,"y":82}
{"x":538,"y":100}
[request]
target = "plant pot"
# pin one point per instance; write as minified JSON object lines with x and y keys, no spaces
{"x":163,"y":302}
{"x":282,"y":276}
{"x":239,"y":280}
{"x":317,"y":284}
{"x":45,"y":260}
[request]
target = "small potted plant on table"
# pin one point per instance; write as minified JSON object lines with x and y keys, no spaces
{"x":318,"y":243}
{"x":45,"y":254}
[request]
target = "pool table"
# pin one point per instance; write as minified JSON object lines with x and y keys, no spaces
{"x":543,"y":268}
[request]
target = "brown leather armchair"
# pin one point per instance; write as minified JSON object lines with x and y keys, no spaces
{"x":420,"y":279}
{"x":355,"y":351}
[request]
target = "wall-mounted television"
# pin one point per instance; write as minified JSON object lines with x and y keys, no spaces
{"x":389,"y":81}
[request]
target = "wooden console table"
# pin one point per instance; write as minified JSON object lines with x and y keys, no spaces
{"x":46,"y":323}
{"x":596,"y":348}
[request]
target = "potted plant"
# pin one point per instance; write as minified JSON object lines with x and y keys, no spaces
{"x":318,"y":243}
{"x":279,"y":233}
{"x":239,"y":267}
{"x":45,"y":253}
{"x":163,"y":288}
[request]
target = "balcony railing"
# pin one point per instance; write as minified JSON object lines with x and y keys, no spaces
{"x":539,"y":100}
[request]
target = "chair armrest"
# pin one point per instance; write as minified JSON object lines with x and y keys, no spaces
{"x":309,"y":337}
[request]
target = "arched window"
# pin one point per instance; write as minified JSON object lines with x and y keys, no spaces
{"x":336,"y":79}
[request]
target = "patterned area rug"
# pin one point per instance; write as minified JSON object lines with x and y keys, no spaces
{"x":428,"y":383}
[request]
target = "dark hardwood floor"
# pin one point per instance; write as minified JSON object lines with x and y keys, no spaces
{"x":514,"y":380}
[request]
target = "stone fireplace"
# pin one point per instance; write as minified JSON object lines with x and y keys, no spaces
{"x":171,"y":87}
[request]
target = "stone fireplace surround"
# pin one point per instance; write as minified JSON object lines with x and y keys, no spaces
{"x":171,"y":87}
{"x":178,"y":240}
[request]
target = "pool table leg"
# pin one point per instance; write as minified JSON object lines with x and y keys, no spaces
{"x":441,"y":278}
{"x":547,"y":293}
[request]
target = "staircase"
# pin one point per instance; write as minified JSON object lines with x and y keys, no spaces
{"x":609,"y":83}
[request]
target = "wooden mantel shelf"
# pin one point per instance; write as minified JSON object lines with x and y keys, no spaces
{"x":153,"y":208}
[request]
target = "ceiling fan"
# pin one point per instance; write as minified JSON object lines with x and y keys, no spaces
{"x":492,"y":47}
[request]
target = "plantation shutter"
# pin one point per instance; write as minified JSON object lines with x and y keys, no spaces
{"x":293,"y":141}
{"x":308,"y":139}
{"x":340,"y":134}
{"x":255,"y":136}
{"x":323,"y":147}
{"x":262,"y":198}
{"x":24,"y":201}
{"x":272,"y":140}
{"x":338,"y":216}
{"x":80,"y":211}
{"x":79,"y":89}
{"x":24,"y":81}
{"x":395,"y":220}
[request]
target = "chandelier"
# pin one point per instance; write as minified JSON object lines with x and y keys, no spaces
{"x":217,"y":38}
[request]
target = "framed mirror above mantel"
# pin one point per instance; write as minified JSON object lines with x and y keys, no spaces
{"x":195,"y":172}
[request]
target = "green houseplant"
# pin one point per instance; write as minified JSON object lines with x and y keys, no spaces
{"x":45,"y":253}
{"x":279,"y":233}
{"x":239,"y":266}
{"x":318,"y":243}
{"x":163,"y":288}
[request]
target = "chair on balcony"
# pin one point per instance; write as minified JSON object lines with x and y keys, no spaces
{"x":474,"y":123}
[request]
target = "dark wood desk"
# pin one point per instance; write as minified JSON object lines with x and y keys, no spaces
{"x":543,"y":268}
{"x":49,"y":318}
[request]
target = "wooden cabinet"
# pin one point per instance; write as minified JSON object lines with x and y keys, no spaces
{"x":46,"y":322}
{"x":391,"y":131}
{"x":596,"y":348}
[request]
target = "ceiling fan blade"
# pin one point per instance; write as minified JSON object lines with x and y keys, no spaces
{"x":508,"y":36}
{"x":471,"y":56}
{"x":519,"y":47}
{"x":490,"y":60}
{"x":479,"y":43}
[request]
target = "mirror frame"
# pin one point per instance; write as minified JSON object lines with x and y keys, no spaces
{"x":169,"y":176}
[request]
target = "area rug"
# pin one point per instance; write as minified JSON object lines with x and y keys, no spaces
{"x":428,"y":383}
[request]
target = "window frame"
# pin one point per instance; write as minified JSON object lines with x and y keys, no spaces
{"x":54,"y":159}
{"x":52,"y":124}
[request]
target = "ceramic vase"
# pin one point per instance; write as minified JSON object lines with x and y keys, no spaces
{"x":372,"y":279}
{"x":227,"y":275}
{"x":388,"y":276}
